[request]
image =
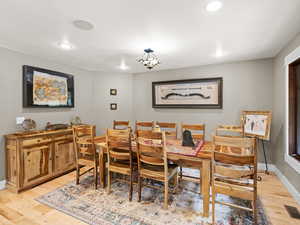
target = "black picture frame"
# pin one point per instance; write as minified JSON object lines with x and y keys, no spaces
{"x":28,"y":87}
{"x":113,"y":91}
{"x":218,"y":80}
{"x":113,"y":106}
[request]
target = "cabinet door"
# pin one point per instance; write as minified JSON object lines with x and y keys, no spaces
{"x":64,"y":156}
{"x":37,"y":163}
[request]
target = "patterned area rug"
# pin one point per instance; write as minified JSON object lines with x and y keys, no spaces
{"x":97,"y":207}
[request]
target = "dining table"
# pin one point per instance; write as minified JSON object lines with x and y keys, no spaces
{"x":181,"y":155}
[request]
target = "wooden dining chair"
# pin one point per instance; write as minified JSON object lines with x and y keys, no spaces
{"x":235,"y":174}
{"x":198,"y":134}
{"x":144,"y":125}
{"x":231,"y":130}
{"x":120,"y":158}
{"x":153,"y":161}
{"x":85,"y":151}
{"x":197,"y":130}
{"x":169,"y":128}
{"x":120,"y":125}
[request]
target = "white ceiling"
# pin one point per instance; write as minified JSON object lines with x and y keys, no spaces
{"x":180,"y":32}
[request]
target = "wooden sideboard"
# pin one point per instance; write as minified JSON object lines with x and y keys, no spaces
{"x":38,"y":156}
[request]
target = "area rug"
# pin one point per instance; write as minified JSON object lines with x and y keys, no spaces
{"x":97,"y":207}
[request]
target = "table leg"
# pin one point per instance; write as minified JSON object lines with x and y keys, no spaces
{"x":102,"y":167}
{"x":205,"y":186}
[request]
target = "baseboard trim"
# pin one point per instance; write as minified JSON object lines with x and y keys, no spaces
{"x":292,"y":190}
{"x":262,"y":166}
{"x":2,"y":184}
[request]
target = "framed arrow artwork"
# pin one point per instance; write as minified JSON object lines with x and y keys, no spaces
{"x":206,"y":93}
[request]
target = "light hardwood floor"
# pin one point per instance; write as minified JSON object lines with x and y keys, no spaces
{"x":22,"y":209}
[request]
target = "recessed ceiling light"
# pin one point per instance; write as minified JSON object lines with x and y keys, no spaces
{"x":219,"y":53}
{"x":65,"y":45}
{"x":83,"y":25}
{"x":123,"y":66}
{"x":214,"y":5}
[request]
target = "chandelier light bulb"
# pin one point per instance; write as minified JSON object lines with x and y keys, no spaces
{"x":149,"y":59}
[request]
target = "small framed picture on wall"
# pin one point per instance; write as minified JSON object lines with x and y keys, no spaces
{"x":113,"y":106}
{"x":113,"y":91}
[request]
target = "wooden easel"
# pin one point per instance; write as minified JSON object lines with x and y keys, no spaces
{"x":265,"y":157}
{"x":259,"y":178}
{"x":258,"y":137}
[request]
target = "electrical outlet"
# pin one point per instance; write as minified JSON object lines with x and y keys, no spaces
{"x":19,"y":120}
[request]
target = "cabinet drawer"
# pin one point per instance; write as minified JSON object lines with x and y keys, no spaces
{"x":64,"y":137}
{"x":35,"y":141}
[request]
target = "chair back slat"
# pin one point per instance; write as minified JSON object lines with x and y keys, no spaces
{"x":150,"y":146}
{"x":147,"y":134}
{"x":193,"y":126}
{"x":120,"y":144}
{"x":236,"y":173}
{"x":118,"y":139}
{"x":198,"y":136}
{"x":150,"y":149}
{"x":144,"y":125}
{"x":166,"y":125}
{"x":83,"y":130}
{"x":151,"y":160}
{"x":238,"y":142}
{"x":120,"y":155}
{"x":239,"y":160}
{"x":120,"y":125}
{"x":234,"y":191}
{"x":197,"y":130}
{"x":169,"y":128}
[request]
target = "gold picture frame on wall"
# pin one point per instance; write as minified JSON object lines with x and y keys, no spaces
{"x":257,"y":124}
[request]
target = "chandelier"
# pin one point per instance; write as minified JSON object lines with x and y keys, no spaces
{"x":149,"y":59}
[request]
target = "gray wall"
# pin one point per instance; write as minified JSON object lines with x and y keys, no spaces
{"x":91,"y":96}
{"x":102,"y":99}
{"x":246,"y":86}
{"x":279,"y":104}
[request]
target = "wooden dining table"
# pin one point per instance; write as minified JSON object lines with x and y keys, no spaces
{"x":179,"y":155}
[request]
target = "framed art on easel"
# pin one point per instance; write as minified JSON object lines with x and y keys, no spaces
{"x":257,"y":124}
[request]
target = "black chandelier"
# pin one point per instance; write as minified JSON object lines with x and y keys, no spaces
{"x":149,"y":59}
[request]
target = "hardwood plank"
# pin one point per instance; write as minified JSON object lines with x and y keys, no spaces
{"x":271,"y":191}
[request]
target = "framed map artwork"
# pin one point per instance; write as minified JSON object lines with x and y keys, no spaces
{"x":47,"y":88}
